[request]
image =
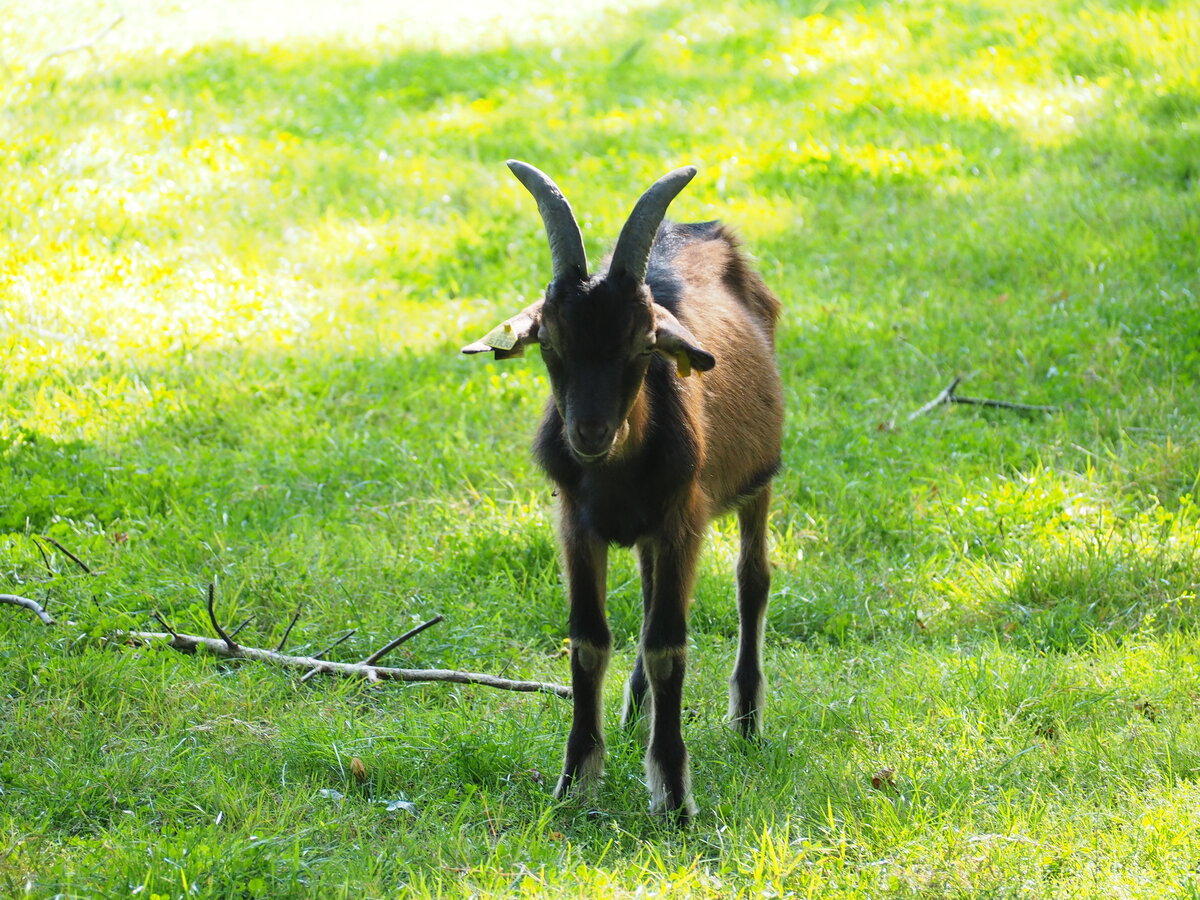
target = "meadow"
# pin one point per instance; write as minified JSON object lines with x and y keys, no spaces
{"x":240,"y":247}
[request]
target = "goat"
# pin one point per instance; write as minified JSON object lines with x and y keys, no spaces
{"x":642,"y":458}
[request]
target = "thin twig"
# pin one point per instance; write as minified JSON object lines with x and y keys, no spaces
{"x":45,"y":555}
{"x":943,"y":397}
{"x":287,"y":632}
{"x":88,"y":45}
{"x":189,"y":642}
{"x":345,"y":637}
{"x":32,"y":605}
{"x":235,"y":631}
{"x":392,"y":645}
{"x":1004,"y":404}
{"x":163,"y":623}
{"x":75,"y":559}
{"x":309,"y":674}
{"x":212,"y":617}
{"x":948,"y":395}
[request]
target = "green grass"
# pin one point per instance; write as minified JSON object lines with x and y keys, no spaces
{"x":239,"y":249}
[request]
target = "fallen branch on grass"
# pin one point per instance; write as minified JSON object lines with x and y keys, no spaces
{"x":190,"y":643}
{"x":88,"y":45}
{"x":71,"y":556}
{"x":227,"y":649}
{"x":32,"y":605}
{"x":948,"y":395}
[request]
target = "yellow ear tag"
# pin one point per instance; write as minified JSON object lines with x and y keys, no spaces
{"x":502,"y":337}
{"x":683,"y":365}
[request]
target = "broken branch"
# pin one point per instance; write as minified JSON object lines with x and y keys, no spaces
{"x":32,"y":605}
{"x":948,"y":395}
{"x":45,"y":556}
{"x":75,"y":559}
{"x":212,"y":617}
{"x":311,"y":672}
{"x":287,"y":631}
{"x":392,"y":645}
{"x":191,"y":643}
{"x":163,"y":623}
{"x":88,"y":45}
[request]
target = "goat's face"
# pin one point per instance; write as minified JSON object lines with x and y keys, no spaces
{"x":598,"y":334}
{"x":596,"y":338}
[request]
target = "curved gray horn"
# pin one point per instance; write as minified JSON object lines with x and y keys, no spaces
{"x":566,"y":242}
{"x":632,"y":255}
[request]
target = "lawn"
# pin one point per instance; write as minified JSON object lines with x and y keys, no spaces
{"x":240,"y":247}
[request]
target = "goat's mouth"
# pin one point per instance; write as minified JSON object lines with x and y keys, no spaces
{"x":591,"y":459}
{"x":597,"y":454}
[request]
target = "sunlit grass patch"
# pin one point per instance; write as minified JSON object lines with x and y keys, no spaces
{"x":240,"y":246}
{"x":1055,"y":561}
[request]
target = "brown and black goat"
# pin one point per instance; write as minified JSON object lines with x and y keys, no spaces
{"x":644,"y":458}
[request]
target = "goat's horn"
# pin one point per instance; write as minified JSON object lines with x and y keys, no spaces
{"x":566,"y":242}
{"x":632,"y":256}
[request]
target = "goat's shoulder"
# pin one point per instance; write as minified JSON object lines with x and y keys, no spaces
{"x":703,"y":263}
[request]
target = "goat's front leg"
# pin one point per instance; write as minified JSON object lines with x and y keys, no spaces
{"x":664,"y":657}
{"x":753,"y":585}
{"x":586,"y":559}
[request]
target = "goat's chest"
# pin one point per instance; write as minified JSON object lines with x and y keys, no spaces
{"x":620,"y":510}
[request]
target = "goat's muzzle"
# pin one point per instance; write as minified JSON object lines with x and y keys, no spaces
{"x":591,"y":440}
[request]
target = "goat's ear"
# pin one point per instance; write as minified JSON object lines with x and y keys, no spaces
{"x":672,"y":338}
{"x":510,"y":338}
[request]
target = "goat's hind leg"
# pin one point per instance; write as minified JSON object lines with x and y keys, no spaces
{"x":586,"y":560}
{"x":637,"y":685}
{"x":746,"y":687}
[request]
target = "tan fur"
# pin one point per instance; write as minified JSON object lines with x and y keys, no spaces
{"x":661,"y":663}
{"x":741,"y":400}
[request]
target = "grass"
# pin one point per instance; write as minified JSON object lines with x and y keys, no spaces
{"x":239,"y":249}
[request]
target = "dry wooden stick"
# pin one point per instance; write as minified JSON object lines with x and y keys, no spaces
{"x":227,"y":649}
{"x":287,"y":631}
{"x":75,"y":559}
{"x":212,"y":617}
{"x":311,"y":672}
{"x":392,"y":645}
{"x":45,"y":555}
{"x":32,"y":605}
{"x":88,"y":45}
{"x":163,"y":623}
{"x":943,"y":397}
{"x":245,"y":622}
{"x":190,"y":643}
{"x":948,"y":395}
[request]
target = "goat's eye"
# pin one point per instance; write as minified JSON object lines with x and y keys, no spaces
{"x":544,"y":340}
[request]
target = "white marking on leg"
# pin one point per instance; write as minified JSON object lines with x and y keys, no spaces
{"x":589,"y":770}
{"x":738,"y":702}
{"x":656,"y":781}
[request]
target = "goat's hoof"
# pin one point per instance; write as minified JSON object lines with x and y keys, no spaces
{"x":680,"y":814}
{"x":748,"y":727}
{"x":583,"y":778}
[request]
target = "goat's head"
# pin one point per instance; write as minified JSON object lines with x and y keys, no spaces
{"x":598,"y":333}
